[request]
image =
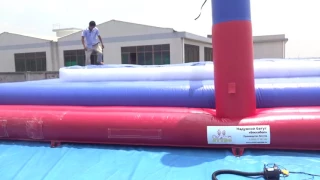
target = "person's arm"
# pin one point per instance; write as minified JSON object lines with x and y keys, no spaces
{"x":82,"y":40}
{"x":100,"y":39}
{"x":98,"y":33}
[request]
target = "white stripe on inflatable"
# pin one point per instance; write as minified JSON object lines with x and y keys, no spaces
{"x":265,"y":68}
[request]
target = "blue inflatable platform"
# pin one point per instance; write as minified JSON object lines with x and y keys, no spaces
{"x":276,"y":92}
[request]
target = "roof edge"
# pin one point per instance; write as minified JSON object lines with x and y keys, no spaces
{"x":256,"y":39}
{"x":114,"y":20}
{"x":31,"y":36}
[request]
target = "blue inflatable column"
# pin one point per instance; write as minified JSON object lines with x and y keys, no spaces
{"x":233,"y":58}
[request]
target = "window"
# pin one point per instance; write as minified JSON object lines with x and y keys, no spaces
{"x":35,"y":61}
{"x":146,"y":55}
{"x":74,"y":57}
{"x":208,"y":54}
{"x":78,"y":57}
{"x":191,"y":53}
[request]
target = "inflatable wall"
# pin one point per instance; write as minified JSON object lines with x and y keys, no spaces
{"x":166,"y":112}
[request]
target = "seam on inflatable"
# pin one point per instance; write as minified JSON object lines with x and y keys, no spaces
{"x":125,"y":133}
{"x":34,"y":129}
{"x":3,"y":128}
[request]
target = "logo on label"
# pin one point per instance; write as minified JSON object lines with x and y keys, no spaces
{"x":221,"y":137}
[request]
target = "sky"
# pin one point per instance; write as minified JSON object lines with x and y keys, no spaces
{"x":297,"y":19}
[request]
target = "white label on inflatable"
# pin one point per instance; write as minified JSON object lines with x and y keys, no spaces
{"x":238,"y":134}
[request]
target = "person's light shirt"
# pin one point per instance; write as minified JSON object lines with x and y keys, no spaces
{"x":91,"y":37}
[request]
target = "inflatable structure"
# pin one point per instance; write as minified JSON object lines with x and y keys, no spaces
{"x":234,"y":102}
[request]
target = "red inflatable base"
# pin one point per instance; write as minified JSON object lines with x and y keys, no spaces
{"x":279,"y":128}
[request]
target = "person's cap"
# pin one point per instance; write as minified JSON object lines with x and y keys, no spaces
{"x":92,"y":23}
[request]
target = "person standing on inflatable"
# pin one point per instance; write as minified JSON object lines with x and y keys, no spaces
{"x":91,"y":34}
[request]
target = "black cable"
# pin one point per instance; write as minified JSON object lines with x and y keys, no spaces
{"x":269,"y":172}
{"x":201,"y":9}
{"x":239,"y":173}
{"x":309,"y":174}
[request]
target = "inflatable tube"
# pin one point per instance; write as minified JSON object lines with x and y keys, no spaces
{"x":190,"y":71}
{"x":36,"y":108}
{"x":200,"y":94}
{"x":163,"y":127}
{"x":265,"y":68}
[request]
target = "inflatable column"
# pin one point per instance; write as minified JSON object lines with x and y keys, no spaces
{"x":233,"y":58}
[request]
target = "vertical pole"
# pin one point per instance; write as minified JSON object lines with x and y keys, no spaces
{"x":233,"y":58}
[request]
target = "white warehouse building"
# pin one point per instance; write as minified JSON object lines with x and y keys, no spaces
{"x":125,"y":43}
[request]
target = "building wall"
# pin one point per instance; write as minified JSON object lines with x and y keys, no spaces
{"x":270,"y":46}
{"x":54,"y":56}
{"x":9,"y":39}
{"x":7,"y":60}
{"x":65,"y":32}
{"x":117,"y":34}
{"x":11,"y":44}
{"x":116,"y":29}
{"x":112,"y":51}
{"x":27,"y":76}
{"x":269,"y":50}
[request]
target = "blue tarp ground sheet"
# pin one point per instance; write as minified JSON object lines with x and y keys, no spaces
{"x":37,"y":161}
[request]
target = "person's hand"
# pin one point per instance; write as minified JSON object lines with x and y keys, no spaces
{"x":102,"y":46}
{"x":85,"y":48}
